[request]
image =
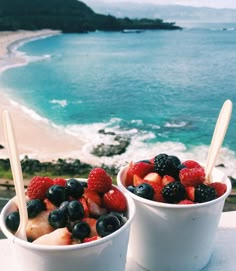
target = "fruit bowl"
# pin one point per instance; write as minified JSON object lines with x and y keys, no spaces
{"x":108,"y":252}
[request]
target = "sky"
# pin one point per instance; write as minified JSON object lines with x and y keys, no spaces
{"x":195,"y":3}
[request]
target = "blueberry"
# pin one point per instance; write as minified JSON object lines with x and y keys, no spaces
{"x":74,"y":188}
{"x":81,"y":230}
{"x":57,"y":218}
{"x":120,"y":216}
{"x":34,"y":207}
{"x":107,"y":224}
{"x":13,"y":221}
{"x":131,"y":188}
{"x":144,"y":190}
{"x":75,"y":210}
{"x":83,"y":183}
{"x":64,"y":205}
{"x":56,"y":194}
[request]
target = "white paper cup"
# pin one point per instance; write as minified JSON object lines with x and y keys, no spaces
{"x":107,"y":253}
{"x":171,"y":237}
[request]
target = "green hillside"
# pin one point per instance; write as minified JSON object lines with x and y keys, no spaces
{"x":68,"y":16}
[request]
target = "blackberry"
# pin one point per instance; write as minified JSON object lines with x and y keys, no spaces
{"x":204,"y":193}
{"x":167,"y":165}
{"x":173,"y":192}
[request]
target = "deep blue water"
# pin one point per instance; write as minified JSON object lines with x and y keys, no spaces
{"x":161,"y":87}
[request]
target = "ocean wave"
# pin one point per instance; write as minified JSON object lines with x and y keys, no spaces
{"x":62,"y":103}
{"x":176,"y":124}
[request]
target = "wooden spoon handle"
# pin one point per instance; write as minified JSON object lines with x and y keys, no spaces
{"x":17,"y":174}
{"x":218,"y":137}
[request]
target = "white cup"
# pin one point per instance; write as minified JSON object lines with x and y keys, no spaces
{"x":172,"y":237}
{"x":107,"y":253}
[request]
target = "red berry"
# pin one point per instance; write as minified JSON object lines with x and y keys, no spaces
{"x":99,"y":180}
{"x":186,"y":201}
{"x":192,"y":176}
{"x":59,"y":181}
{"x":191,"y":164}
{"x":167,"y":179}
{"x":220,"y":188}
{"x":190,"y":192}
{"x":140,"y":169}
{"x":157,"y":192}
{"x":38,"y":186}
{"x":89,"y":239}
{"x":114,"y":200}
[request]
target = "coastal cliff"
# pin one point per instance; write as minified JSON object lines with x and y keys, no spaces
{"x":68,"y":16}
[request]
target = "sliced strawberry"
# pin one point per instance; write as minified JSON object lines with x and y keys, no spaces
{"x":220,"y":188}
{"x":92,"y":223}
{"x":140,"y":168}
{"x":157,"y":191}
{"x":114,"y":200}
{"x":190,"y":192}
{"x":90,"y":239}
{"x":49,"y":205}
{"x":94,"y":196}
{"x":153,"y":177}
{"x":166,"y":179}
{"x":94,"y":209}
{"x":192,"y":176}
{"x":85,"y":206}
{"x":137,"y":180}
{"x":99,"y":181}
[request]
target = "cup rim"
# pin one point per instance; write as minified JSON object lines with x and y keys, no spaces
{"x":152,"y":203}
{"x":38,"y":247}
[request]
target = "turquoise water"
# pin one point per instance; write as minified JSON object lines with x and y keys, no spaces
{"x":159,"y":87}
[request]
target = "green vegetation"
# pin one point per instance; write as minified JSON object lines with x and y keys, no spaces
{"x":67,"y":16}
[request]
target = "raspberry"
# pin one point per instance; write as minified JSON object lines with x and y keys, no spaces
{"x":167,"y":165}
{"x":59,"y":181}
{"x":99,"y":180}
{"x":173,"y":192}
{"x":114,"y":200}
{"x":192,"y":176}
{"x":191,"y":164}
{"x":204,"y":193}
{"x":186,"y":201}
{"x":38,"y":186}
{"x":220,"y":188}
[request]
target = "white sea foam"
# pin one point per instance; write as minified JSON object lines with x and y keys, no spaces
{"x":62,"y":103}
{"x":175,"y":124}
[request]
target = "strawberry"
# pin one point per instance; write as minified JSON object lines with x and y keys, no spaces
{"x":140,"y":168}
{"x":59,"y":181}
{"x":94,"y":196}
{"x":99,"y":181}
{"x":83,"y":201}
{"x":94,"y":209}
{"x":92,"y":223}
{"x":192,"y":176}
{"x":191,"y":164}
{"x":157,"y":192}
{"x":186,"y":201}
{"x":153,"y":177}
{"x":38,"y":186}
{"x":114,"y":200}
{"x":166,"y":179}
{"x":220,"y":188}
{"x":89,"y":239}
{"x":190,"y":192}
{"x":49,"y":205}
{"x":137,"y":180}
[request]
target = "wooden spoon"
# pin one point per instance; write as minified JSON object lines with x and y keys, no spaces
{"x":218,"y":137}
{"x":17,"y":174}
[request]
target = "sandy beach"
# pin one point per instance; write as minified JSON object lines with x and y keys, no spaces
{"x":37,"y":139}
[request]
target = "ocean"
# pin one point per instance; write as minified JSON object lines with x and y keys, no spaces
{"x":161,"y":89}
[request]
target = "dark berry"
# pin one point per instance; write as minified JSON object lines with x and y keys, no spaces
{"x":63,"y":205}
{"x":75,"y":210}
{"x":173,"y":192}
{"x":81,"y":230}
{"x":131,"y":188}
{"x":34,"y":207}
{"x":57,"y":218}
{"x":144,"y":190}
{"x":120,"y":216}
{"x":167,"y":165}
{"x":204,"y":193}
{"x":56,"y":194}
{"x":107,"y":224}
{"x":13,"y":221}
{"x":74,"y":188}
{"x":83,"y":183}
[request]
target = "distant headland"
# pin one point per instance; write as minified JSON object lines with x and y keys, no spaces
{"x":69,"y":16}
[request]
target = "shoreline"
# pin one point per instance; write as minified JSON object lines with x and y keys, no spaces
{"x":37,"y":137}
